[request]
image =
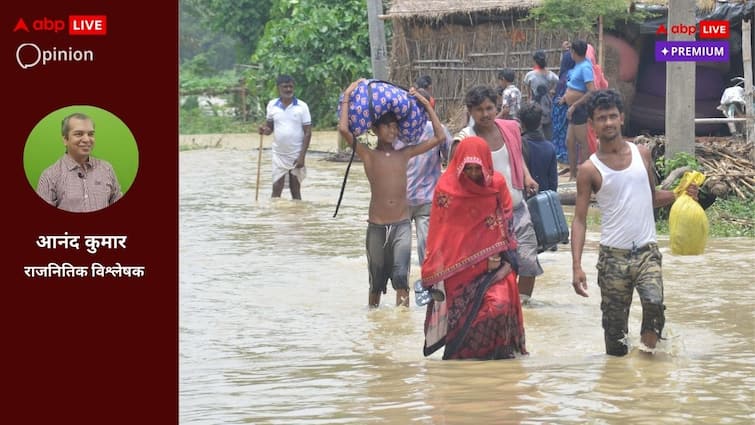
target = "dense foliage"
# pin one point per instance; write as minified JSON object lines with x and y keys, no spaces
{"x":323,"y":44}
{"x":241,"y":20}
{"x":204,"y":51}
{"x":582,"y":15}
{"x":680,"y":159}
{"x":732,"y":217}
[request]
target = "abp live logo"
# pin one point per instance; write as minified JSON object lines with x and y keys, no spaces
{"x":77,"y":25}
{"x":708,"y":29}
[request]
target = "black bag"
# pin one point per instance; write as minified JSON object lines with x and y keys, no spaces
{"x":544,"y":100}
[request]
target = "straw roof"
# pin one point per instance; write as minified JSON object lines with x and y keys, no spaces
{"x":436,"y":9}
{"x":439,"y":8}
{"x":704,"y":5}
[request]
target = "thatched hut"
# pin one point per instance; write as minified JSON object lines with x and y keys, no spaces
{"x":463,"y":44}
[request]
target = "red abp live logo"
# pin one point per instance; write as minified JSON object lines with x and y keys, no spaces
{"x":77,"y":25}
{"x":708,"y":29}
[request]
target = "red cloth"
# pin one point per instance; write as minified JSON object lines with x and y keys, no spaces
{"x":468,"y":222}
{"x":484,"y":322}
{"x":512,"y":137}
{"x":481,"y":318}
{"x":599,"y":79}
{"x":600,"y":82}
{"x":592,"y":142}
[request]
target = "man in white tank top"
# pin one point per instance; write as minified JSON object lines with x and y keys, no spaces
{"x":621,"y":175}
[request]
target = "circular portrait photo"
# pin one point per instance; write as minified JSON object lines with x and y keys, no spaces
{"x":81,"y":159}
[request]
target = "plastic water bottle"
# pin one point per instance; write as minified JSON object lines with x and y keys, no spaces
{"x":421,"y":295}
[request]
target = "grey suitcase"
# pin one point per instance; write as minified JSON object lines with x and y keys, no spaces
{"x":548,"y":219}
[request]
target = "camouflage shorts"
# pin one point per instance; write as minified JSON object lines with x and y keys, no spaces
{"x":620,"y":271}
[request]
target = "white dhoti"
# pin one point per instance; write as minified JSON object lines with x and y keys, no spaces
{"x":284,"y":162}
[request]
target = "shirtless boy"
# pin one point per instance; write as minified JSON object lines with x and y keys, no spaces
{"x":389,"y":229}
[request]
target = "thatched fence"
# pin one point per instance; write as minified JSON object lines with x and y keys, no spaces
{"x":468,"y":48}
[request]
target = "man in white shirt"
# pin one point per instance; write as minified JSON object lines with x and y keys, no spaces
{"x":289,"y":120}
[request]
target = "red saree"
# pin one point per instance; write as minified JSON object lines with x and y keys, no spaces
{"x":481,"y":316}
{"x":600,"y":83}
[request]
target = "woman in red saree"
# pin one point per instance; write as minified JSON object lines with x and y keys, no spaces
{"x":476,"y":312}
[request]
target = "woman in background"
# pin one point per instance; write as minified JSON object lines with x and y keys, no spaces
{"x":558,"y":117}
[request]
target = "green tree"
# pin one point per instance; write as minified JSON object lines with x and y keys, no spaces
{"x":582,"y":15}
{"x":323,"y":44}
{"x":217,"y":51}
{"x":242,"y":20}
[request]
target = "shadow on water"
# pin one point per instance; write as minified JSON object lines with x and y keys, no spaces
{"x":274,"y":327}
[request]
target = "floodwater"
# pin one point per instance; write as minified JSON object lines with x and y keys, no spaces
{"x":274,"y":327}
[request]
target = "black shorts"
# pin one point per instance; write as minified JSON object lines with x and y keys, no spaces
{"x":579,"y":116}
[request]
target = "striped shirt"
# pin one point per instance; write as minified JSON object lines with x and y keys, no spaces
{"x":423,"y":171}
{"x":71,"y":187}
{"x":512,"y":98}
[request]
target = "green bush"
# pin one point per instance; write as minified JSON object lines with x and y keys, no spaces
{"x":195,"y":122}
{"x":191,"y":103}
{"x":733,"y":217}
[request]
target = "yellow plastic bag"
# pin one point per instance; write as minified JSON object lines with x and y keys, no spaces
{"x":688,"y":224}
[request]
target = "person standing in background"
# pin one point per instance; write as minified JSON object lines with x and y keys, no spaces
{"x":558,"y":116}
{"x":542,"y":85}
{"x":426,"y":83}
{"x":422,"y":175}
{"x":511,"y":97}
{"x":539,"y":153}
{"x":289,"y":120}
{"x":578,"y":86}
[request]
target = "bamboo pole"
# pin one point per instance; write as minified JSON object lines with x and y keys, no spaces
{"x":378,"y":46}
{"x":680,"y":100}
{"x":259,"y":167}
{"x":601,"y":54}
{"x":747,"y":64}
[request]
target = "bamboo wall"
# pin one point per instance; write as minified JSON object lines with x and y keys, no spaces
{"x":460,"y":56}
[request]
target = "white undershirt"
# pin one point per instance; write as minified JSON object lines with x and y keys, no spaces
{"x":626,"y":204}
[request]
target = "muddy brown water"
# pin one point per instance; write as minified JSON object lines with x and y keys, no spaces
{"x":274,"y":327}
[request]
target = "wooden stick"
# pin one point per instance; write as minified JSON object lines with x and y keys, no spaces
{"x":672,"y":176}
{"x":259,"y":167}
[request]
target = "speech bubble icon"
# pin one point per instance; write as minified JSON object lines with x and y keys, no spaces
{"x":26,"y":46}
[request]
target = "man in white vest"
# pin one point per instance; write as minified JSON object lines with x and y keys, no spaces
{"x":622,"y":176}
